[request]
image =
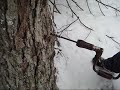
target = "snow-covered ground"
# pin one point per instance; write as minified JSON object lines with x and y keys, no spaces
{"x":74,"y":63}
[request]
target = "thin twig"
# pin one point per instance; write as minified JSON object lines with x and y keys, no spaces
{"x":116,"y":13}
{"x":88,"y":35}
{"x":55,"y":6}
{"x":101,"y":9}
{"x":77,"y":5}
{"x":89,"y":7}
{"x":78,"y":16}
{"x":108,"y":5}
{"x":62,"y":5}
{"x":104,"y":5}
{"x":68,"y":26}
{"x":62,"y":27}
{"x":113,"y":40}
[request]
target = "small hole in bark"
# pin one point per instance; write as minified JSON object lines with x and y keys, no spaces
{"x":45,"y":36}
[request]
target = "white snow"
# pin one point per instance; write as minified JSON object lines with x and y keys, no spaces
{"x":74,"y":63}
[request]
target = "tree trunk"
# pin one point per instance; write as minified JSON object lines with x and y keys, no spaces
{"x":26,"y":47}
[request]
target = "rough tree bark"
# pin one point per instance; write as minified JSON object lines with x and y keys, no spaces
{"x":26,"y":47}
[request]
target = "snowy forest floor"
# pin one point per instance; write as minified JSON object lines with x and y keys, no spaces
{"x":74,"y":63}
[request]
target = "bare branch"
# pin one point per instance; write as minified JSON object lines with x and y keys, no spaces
{"x":88,"y":35}
{"x":78,"y":16}
{"x":101,"y":9}
{"x":68,"y":26}
{"x":55,"y":6}
{"x":89,"y":7}
{"x":113,"y":40}
{"x":108,"y":5}
{"x":104,"y":5}
{"x":62,"y":5}
{"x":77,"y":5}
